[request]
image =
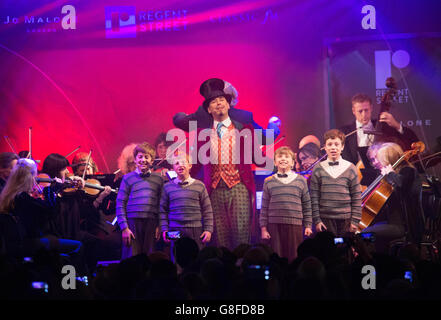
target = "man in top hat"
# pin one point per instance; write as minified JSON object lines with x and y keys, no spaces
{"x":228,"y":175}
{"x":204,"y":120}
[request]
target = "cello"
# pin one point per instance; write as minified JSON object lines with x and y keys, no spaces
{"x":379,"y":191}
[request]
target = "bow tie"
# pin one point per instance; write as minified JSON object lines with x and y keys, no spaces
{"x":144,"y":175}
{"x":333,"y":163}
{"x":183,"y":183}
{"x":282,"y":175}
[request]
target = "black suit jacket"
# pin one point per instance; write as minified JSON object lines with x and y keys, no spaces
{"x":350,"y":151}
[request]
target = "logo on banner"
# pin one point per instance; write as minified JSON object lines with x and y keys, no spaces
{"x":45,"y":24}
{"x":120,"y":22}
{"x":125,"y":22}
{"x":384,"y":60}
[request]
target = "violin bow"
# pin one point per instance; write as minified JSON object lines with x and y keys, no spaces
{"x":73,"y":151}
{"x":10,"y":144}
{"x":87,"y":164}
{"x":29,"y":156}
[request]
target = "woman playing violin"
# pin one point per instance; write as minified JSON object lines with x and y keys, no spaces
{"x":79,"y":164}
{"x":35,"y":216}
{"x":102,"y":207}
{"x":55,"y":166}
{"x":308,"y":154}
{"x":75,"y":209}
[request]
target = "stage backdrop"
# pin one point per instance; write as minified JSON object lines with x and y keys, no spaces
{"x":414,"y":60}
{"x":102,"y":74}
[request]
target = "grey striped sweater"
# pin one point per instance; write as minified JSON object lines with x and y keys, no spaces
{"x":335,"y":198}
{"x":185,"y":206}
{"x":285,"y":203}
{"x":138,"y":197}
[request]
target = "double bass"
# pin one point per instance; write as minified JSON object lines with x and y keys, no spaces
{"x":379,"y":191}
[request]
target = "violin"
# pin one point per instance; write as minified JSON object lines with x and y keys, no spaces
{"x":41,"y":181}
{"x":92,"y":187}
{"x":379,"y":191}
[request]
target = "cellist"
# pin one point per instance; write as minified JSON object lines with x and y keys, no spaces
{"x":401,"y":215}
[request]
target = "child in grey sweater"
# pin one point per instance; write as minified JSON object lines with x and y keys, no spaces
{"x":335,"y":189}
{"x":185,"y":204}
{"x":286,"y":207}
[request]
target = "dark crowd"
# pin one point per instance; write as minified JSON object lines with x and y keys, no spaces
{"x":323,"y":271}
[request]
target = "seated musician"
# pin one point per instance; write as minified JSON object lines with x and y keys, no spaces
{"x":35,"y":216}
{"x":79,"y":164}
{"x":102,"y":204}
{"x":402,"y":213}
{"x":75,"y":209}
{"x":7,"y":162}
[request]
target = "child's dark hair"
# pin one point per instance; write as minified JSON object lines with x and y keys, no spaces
{"x":333,"y":134}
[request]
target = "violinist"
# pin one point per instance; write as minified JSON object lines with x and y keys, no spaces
{"x":79,"y":164}
{"x":98,"y":210}
{"x":160,"y":164}
{"x":402,"y":214}
{"x":74,"y":208}
{"x":35,"y":216}
{"x":7,"y":162}
{"x":55,"y":166}
{"x":307,"y":155}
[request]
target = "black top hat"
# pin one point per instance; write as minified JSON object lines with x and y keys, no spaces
{"x":213,"y":88}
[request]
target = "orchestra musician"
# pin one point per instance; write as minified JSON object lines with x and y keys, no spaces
{"x":79,"y":164}
{"x":35,"y":216}
{"x":75,"y":209}
{"x":7,"y":163}
{"x":161,"y":163}
{"x":357,"y":144}
{"x":402,"y":214}
{"x":98,"y":214}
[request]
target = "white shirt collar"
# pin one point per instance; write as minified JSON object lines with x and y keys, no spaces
{"x":363,"y":139}
{"x":291,"y":176}
{"x":359,"y":125}
{"x":190,"y":180}
{"x":226,"y":122}
{"x":336,"y":170}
